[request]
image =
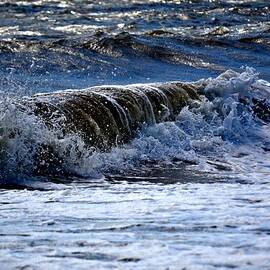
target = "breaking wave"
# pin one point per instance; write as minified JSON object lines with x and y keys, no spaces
{"x":215,"y":124}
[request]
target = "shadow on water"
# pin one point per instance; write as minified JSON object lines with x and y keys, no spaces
{"x":177,"y":173}
{"x":145,"y":174}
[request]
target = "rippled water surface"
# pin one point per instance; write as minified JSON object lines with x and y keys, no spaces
{"x":192,"y":193}
{"x":137,"y":225}
{"x":63,"y":44}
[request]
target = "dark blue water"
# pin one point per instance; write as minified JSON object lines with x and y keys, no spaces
{"x":188,"y":194}
{"x":58,"y":45}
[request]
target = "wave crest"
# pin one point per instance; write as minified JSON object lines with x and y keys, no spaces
{"x":49,"y":134}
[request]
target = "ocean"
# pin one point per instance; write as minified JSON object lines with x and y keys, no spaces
{"x":135,"y":134}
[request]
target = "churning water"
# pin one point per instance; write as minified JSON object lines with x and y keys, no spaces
{"x":166,"y":168}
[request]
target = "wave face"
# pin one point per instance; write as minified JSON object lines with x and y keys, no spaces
{"x":114,"y":128}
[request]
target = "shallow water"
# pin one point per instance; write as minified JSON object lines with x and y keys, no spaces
{"x":137,"y":225}
{"x":188,"y":194}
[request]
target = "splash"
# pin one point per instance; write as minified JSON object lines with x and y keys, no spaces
{"x":208,"y":123}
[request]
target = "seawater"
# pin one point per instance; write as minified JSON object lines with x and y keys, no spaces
{"x":187,"y":194}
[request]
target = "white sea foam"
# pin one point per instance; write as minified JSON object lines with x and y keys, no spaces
{"x":217,"y":134}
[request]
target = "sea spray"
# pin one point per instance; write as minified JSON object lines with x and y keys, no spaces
{"x":207,"y":130}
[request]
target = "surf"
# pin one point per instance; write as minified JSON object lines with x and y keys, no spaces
{"x":114,"y":128}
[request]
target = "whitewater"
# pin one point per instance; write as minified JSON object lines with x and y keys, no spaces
{"x":226,"y":123}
